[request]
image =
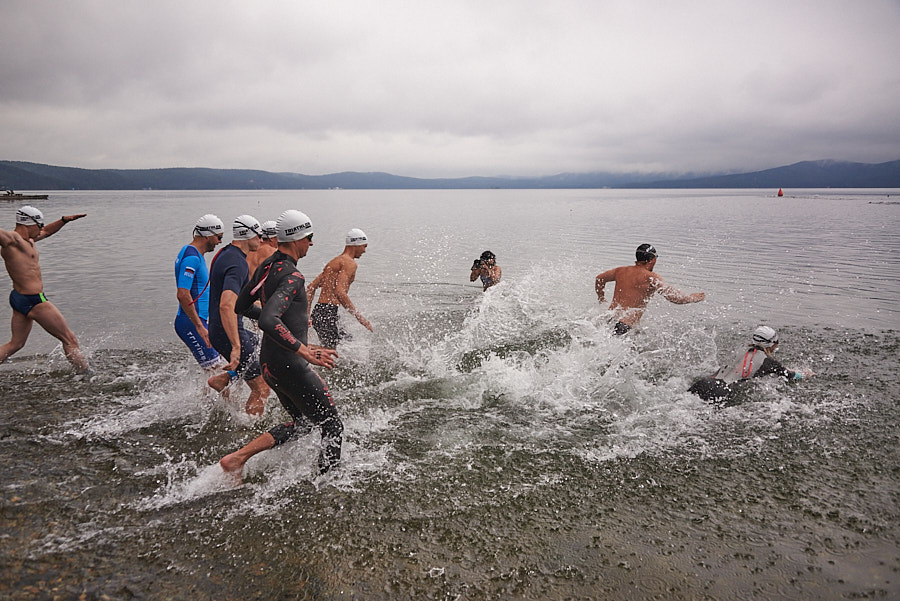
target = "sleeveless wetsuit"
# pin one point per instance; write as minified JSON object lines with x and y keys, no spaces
{"x":192,"y":275}
{"x":723,"y":385}
{"x":281,"y":289}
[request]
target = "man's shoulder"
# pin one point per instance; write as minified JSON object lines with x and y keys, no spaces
{"x":229,"y":257}
{"x":187,"y":251}
{"x":338,"y":263}
{"x":11,"y":238}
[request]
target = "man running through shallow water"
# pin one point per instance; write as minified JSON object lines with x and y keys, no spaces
{"x":227,"y":275}
{"x":27,"y":297}
{"x":635,"y":286}
{"x":192,"y":293}
{"x":285,"y":354}
{"x":335,"y":281}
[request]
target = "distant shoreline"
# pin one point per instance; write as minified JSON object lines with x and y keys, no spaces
{"x":17,"y":175}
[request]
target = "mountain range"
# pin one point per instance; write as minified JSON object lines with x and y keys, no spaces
{"x":19,"y":175}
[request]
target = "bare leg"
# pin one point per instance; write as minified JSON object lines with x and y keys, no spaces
{"x":259,"y":392}
{"x":20,"y":325}
{"x":233,"y":463}
{"x":49,"y":318}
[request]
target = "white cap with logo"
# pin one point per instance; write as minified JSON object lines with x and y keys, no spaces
{"x":269,"y":229}
{"x":209,"y":225}
{"x":28,"y":215}
{"x":245,"y":227}
{"x":293,"y":225}
{"x":356,"y":237}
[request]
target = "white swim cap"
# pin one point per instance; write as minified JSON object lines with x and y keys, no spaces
{"x":28,"y":215}
{"x":209,"y":225}
{"x":293,"y":225}
{"x":245,"y":227}
{"x":356,"y":237}
{"x":764,"y":337}
{"x":269,"y":229}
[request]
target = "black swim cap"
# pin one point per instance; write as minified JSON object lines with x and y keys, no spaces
{"x":488,"y":256}
{"x":645,"y":253}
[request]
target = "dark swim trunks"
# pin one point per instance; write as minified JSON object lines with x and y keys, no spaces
{"x":327,"y":325}
{"x":621,"y":329}
{"x":23,"y":303}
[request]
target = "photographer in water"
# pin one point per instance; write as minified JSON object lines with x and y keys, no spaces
{"x":487,"y":269}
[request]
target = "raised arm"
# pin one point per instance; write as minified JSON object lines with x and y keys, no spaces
{"x":53,"y":227}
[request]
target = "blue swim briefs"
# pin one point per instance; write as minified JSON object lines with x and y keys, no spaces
{"x":23,"y":303}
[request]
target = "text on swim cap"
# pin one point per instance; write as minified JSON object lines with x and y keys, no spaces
{"x":297,"y":228}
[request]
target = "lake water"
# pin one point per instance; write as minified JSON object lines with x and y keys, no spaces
{"x":498,"y":445}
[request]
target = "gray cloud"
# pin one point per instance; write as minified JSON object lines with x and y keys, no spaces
{"x":449,"y":88}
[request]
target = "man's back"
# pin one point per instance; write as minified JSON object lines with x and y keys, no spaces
{"x":634,"y":287}
{"x":337,"y":276}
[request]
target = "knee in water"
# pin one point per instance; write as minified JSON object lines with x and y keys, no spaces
{"x":283,"y":433}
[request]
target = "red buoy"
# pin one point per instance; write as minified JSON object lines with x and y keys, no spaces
{"x":780,"y":192}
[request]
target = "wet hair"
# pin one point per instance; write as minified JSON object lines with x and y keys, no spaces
{"x":645,"y":253}
{"x":488,"y":256}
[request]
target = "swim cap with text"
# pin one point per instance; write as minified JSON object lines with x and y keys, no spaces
{"x":356,"y":237}
{"x":293,"y":225}
{"x":245,"y":227}
{"x":28,"y":215}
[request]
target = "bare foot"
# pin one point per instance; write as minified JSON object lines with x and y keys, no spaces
{"x":255,"y":406}
{"x":219,"y":382}
{"x":233,"y":466}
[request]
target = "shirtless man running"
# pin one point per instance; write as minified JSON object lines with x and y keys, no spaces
{"x":335,"y":282}
{"x":27,"y":296}
{"x":635,"y":285}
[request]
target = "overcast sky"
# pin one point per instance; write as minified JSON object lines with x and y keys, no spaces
{"x":452,"y":88}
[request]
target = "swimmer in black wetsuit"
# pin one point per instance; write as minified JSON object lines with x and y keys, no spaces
{"x":285,"y":355}
{"x":756,"y":362}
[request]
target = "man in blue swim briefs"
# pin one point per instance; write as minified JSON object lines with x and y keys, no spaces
{"x":227,"y":275}
{"x":192,"y":292}
{"x":27,"y":296}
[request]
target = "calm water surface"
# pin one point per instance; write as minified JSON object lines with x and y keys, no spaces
{"x":497,"y":446}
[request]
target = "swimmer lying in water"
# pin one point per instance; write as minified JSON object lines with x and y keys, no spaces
{"x":757,"y":361}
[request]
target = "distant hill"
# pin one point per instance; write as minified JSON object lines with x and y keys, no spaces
{"x":808,"y":174}
{"x":18,"y":175}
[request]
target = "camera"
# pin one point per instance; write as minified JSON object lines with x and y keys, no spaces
{"x":477,"y":264}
